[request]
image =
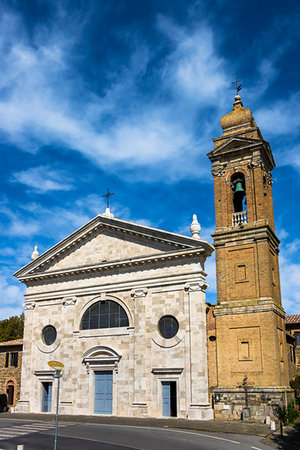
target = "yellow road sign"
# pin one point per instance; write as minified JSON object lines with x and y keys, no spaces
{"x":56,"y":365}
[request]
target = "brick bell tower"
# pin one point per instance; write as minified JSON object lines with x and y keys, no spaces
{"x":252,"y":369}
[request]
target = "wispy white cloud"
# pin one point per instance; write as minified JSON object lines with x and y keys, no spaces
{"x":194,"y":68}
{"x":14,"y":224}
{"x":281,"y":117}
{"x":11,"y":298}
{"x":43,"y":179}
{"x":41,"y":104}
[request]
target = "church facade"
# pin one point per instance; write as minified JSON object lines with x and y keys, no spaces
{"x":122,"y":306}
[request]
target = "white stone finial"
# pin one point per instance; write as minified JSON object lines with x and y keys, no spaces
{"x":35,"y":254}
{"x":195,"y":227}
{"x":108,"y":213}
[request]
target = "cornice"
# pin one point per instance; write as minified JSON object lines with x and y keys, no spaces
{"x":258,"y":231}
{"x":263,"y":305}
{"x":111,"y":287}
{"x":107,"y":266}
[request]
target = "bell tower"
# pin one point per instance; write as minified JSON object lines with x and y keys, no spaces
{"x":250,"y":328}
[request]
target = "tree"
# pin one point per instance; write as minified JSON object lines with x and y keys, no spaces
{"x":12,"y":328}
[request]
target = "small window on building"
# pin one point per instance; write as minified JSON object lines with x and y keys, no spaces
{"x":7,"y":360}
{"x":244,"y":350}
{"x":49,"y":335}
{"x":297,"y":336}
{"x":14,"y":359}
{"x":240,"y":273}
{"x":168,"y":326}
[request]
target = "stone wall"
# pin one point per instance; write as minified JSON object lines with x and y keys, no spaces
{"x":261,"y":402}
{"x":10,"y":373}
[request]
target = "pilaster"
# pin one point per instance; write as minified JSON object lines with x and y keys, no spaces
{"x":199,"y":407}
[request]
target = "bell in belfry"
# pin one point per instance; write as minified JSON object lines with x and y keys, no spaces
{"x":239,"y":187}
{"x":239,"y":194}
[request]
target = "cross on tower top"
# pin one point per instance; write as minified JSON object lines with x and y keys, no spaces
{"x":107,"y":195}
{"x":237,"y":86}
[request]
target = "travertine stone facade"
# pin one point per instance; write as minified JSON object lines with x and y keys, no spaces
{"x":250,"y":328}
{"x":148,"y":272}
{"x":10,"y":369}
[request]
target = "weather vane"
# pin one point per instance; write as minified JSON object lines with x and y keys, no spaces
{"x":237,"y":86}
{"x":107,"y":195}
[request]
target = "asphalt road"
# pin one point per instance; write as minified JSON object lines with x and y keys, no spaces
{"x":37,"y":435}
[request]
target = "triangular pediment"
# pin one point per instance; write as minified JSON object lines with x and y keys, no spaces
{"x":104,"y":240}
{"x":234,"y":143}
{"x":245,"y":146}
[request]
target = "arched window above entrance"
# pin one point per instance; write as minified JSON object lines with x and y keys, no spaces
{"x":104,"y":314}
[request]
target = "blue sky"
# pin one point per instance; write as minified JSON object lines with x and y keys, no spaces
{"x":128,"y":94}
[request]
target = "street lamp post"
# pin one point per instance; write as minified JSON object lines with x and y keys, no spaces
{"x":58,"y":376}
{"x":57,"y":366}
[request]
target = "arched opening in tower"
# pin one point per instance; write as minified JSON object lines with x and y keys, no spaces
{"x":239,"y":192}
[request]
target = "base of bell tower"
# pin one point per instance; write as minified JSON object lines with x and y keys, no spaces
{"x":230,"y":403}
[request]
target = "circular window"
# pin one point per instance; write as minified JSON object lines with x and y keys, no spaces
{"x":49,"y":335}
{"x":168,"y":327}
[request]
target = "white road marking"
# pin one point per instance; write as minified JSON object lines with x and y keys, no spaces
{"x":21,"y":430}
{"x":256,"y":448}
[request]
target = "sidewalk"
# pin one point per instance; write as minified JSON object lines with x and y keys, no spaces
{"x":214,"y":426}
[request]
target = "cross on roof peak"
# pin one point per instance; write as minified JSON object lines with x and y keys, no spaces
{"x":107,"y":196}
{"x":238,"y":86}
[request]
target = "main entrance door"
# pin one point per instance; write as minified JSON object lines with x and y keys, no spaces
{"x":46,"y":396}
{"x":169,"y":399}
{"x":103,"y":392}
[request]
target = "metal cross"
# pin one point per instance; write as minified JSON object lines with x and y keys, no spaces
{"x":107,"y":195}
{"x":237,"y":86}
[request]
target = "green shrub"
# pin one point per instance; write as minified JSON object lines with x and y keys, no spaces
{"x":287,"y":414}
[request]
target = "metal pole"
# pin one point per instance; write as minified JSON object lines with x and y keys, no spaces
{"x":58,"y":376}
{"x":246,"y":396}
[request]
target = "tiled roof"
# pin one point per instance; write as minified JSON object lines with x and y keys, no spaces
{"x":293,"y":319}
{"x":15,"y":342}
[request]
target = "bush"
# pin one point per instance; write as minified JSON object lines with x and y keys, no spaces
{"x":281,"y":413}
{"x":287,"y":414}
{"x":292,"y":412}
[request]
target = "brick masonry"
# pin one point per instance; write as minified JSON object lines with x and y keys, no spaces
{"x":249,"y":318}
{"x":10,"y":374}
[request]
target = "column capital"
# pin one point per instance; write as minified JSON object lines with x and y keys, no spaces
{"x":69,"y":301}
{"x":29,"y":306}
{"x":198,"y":286}
{"x":140,"y":292}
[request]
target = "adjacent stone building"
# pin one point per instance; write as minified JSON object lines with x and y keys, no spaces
{"x":10,"y":369}
{"x":122,"y":306}
{"x":292,"y":324}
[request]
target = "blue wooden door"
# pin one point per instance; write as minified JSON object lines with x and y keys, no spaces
{"x":166,"y":398}
{"x":46,"y":397}
{"x":103,"y":392}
